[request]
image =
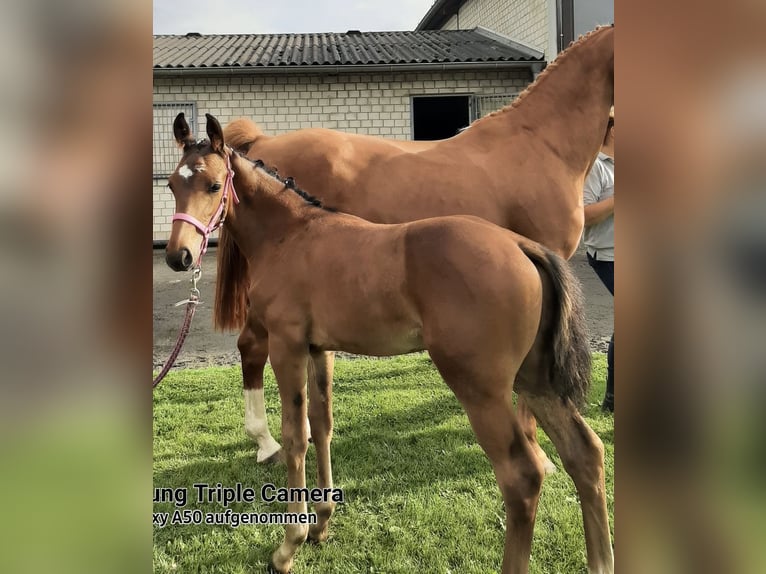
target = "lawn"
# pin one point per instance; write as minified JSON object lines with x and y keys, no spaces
{"x":420,"y":494}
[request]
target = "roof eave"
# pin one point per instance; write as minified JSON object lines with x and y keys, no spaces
{"x":533,"y":65}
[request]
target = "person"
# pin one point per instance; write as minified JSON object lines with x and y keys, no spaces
{"x":598,"y":235}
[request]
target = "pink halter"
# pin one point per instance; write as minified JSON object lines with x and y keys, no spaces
{"x":218,"y":217}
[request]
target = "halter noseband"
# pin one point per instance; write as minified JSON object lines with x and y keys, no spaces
{"x":218,"y":217}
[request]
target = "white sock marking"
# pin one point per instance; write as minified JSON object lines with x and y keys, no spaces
{"x":256,"y":425}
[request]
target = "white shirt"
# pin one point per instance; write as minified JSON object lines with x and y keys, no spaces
{"x":599,"y":185}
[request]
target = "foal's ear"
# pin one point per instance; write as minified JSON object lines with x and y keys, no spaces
{"x":181,"y":130}
{"x":214,"y":133}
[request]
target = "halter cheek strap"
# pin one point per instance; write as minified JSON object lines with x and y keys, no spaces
{"x":218,"y":217}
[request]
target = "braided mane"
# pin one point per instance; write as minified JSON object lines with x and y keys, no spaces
{"x":573,"y":46}
{"x":289,"y":183}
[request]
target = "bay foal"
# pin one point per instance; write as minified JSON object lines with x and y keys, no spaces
{"x":488,"y":305}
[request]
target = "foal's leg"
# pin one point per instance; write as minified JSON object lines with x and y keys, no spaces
{"x":529,"y":424}
{"x":518,"y":471}
{"x":320,"y":415}
{"x":289,"y":363}
{"x":253,"y":346}
{"x":582,"y":453}
{"x":320,"y":362}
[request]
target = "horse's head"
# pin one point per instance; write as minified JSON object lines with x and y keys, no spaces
{"x":201,"y":185}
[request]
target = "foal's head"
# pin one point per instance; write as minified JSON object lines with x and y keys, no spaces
{"x":202,"y":191}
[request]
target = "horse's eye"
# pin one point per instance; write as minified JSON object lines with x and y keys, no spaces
{"x":215,"y":187}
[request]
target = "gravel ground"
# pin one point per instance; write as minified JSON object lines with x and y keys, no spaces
{"x":204,"y":347}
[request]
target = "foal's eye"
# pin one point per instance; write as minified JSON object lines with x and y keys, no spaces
{"x":215,"y":187}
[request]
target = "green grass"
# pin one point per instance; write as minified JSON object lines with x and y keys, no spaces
{"x":420,"y":494}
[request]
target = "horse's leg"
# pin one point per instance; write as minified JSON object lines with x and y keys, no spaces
{"x":253,"y":346}
{"x":289,"y":362}
{"x":320,"y":415}
{"x":582,"y":453}
{"x":518,"y":471}
{"x":529,"y":424}
{"x":323,"y":362}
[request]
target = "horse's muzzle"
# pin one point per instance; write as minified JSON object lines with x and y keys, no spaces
{"x":180,"y":260}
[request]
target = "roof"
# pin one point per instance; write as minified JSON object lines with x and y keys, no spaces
{"x":315,"y":52}
{"x":439,"y":14}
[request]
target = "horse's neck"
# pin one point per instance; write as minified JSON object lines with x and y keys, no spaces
{"x":266,"y":211}
{"x":566,"y":109}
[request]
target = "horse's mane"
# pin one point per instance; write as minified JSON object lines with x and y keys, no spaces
{"x":573,"y":46}
{"x":240,"y":134}
{"x":289,"y":183}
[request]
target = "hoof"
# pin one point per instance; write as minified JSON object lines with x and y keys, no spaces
{"x":316,"y":540}
{"x":275,"y":458}
{"x":273,"y":569}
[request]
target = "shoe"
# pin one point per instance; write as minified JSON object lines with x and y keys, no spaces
{"x":608,"y":405}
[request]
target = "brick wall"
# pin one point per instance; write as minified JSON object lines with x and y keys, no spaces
{"x":525,"y":21}
{"x":375,"y":104}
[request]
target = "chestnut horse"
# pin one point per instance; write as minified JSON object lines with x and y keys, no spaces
{"x":490,"y":306}
{"x":522,"y":168}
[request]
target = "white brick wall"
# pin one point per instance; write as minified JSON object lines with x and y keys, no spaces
{"x":375,"y":104}
{"x":525,"y":21}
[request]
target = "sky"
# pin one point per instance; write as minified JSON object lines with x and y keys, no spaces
{"x":286,"y":16}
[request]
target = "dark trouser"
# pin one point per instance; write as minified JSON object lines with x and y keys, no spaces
{"x":605,"y":272}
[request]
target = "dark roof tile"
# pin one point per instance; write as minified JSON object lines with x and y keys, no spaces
{"x":354,"y":49}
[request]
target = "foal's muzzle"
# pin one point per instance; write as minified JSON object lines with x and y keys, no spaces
{"x":180,"y":260}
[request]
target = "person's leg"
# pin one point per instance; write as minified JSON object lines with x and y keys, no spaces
{"x":608,"y":404}
{"x":605,"y":272}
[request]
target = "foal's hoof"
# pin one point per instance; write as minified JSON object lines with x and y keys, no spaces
{"x":275,"y":458}
{"x":273,"y":569}
{"x":317,"y":538}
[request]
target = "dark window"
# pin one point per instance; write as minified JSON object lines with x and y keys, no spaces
{"x":439,"y":117}
{"x":565,"y":23}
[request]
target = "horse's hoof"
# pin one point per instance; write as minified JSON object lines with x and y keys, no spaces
{"x":317,"y":537}
{"x":273,"y":569}
{"x":275,"y":458}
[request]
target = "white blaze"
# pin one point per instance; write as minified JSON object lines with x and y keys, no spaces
{"x":185,"y":172}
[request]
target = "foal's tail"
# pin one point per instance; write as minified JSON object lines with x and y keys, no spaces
{"x":231,"y":285}
{"x":566,"y":339}
{"x":240,"y":134}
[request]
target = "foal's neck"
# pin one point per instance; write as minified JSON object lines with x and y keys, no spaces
{"x":268,"y":209}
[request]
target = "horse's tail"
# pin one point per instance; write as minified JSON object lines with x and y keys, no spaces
{"x":231,"y":285}
{"x":241,"y":134}
{"x":567,"y":338}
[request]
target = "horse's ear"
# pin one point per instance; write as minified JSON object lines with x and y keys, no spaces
{"x":181,"y":130}
{"x":214,"y":133}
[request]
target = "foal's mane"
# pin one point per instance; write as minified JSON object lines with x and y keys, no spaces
{"x":288,"y":183}
{"x":563,"y":56}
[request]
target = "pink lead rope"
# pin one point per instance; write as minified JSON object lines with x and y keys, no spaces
{"x":206,"y":230}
